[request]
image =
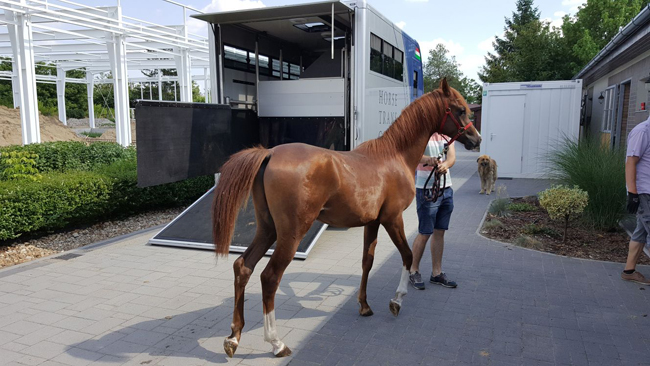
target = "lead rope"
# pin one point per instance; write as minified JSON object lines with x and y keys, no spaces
{"x":437,"y":189}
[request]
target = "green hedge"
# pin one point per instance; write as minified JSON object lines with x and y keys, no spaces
{"x":81,"y":184}
{"x":57,"y":200}
{"x":73,"y":155}
{"x":127,"y":198}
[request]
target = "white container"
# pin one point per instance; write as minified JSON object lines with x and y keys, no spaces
{"x":524,"y":122}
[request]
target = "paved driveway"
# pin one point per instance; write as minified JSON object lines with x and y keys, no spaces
{"x":134,"y":304}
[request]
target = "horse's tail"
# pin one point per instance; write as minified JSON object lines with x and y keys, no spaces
{"x":235,"y":184}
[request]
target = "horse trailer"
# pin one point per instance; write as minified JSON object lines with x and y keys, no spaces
{"x":331,"y":74}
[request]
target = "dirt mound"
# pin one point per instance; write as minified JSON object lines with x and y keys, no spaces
{"x":51,"y":128}
{"x":110,"y":133}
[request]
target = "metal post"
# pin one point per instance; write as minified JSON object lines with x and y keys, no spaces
{"x":22,"y":46}
{"x":60,"y":93}
{"x":257,"y":76}
{"x":141,"y":91}
{"x":117,"y":56}
{"x":205,"y":84}
{"x":15,"y":81}
{"x":332,"y":26}
{"x":90,"y":86}
{"x":184,"y":72}
{"x":281,"y":66}
{"x":159,"y":85}
{"x":215,"y":64}
{"x":175,"y":96}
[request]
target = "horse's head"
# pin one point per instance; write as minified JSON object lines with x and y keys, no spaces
{"x":456,"y":123}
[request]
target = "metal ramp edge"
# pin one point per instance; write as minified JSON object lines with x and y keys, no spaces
{"x":160,"y":238}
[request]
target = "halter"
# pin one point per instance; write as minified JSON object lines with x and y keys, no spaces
{"x":436,"y":191}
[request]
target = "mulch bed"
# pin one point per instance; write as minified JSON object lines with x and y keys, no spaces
{"x":535,"y":230}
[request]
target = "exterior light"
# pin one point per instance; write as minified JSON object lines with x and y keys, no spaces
{"x":601,"y":97}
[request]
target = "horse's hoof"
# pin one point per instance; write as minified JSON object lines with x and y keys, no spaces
{"x":230,"y":346}
{"x":366,"y":312}
{"x":394,"y":308}
{"x":284,"y":352}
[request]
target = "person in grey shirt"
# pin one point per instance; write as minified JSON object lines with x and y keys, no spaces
{"x":637,"y":178}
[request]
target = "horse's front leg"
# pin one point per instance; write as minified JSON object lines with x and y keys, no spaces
{"x":369,"y":244}
{"x":395,"y":229}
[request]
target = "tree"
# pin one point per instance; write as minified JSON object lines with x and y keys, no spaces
{"x":498,"y":66}
{"x":530,"y":50}
{"x":440,"y":65}
{"x":593,"y":26}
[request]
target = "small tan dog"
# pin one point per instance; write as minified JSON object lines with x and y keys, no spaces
{"x":487,"y":170}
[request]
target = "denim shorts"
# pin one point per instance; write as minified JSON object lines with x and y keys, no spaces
{"x":642,"y":232}
{"x":434,"y":215}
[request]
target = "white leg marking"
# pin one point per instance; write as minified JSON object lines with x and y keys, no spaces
{"x":402,"y":289}
{"x":271,"y":334}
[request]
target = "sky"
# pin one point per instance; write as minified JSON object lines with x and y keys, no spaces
{"x":466,"y":27}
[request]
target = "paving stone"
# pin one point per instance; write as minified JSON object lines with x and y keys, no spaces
{"x":134,"y":304}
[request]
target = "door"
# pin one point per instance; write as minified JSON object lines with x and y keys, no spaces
{"x":506,"y":132}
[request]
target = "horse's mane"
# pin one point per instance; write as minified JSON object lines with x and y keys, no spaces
{"x":408,"y":127}
{"x":416,"y":119}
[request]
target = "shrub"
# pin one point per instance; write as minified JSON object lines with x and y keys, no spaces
{"x":75,"y":197}
{"x":563,"y":203}
{"x":52,"y":203}
{"x":522,"y":207}
{"x":48,"y":110}
{"x":492,"y":225}
{"x":127,"y":198}
{"x":19,"y":165}
{"x":499,"y":206}
{"x":72,"y":155}
{"x":598,"y":170}
{"x":526,"y":241}
{"x":534,"y":229}
{"x":75,"y":113}
{"x":92,"y":134}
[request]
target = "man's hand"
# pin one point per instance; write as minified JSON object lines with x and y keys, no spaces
{"x":632,"y":202}
{"x":443,"y":168}
{"x":429,"y":160}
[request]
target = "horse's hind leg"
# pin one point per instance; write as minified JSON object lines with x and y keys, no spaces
{"x":369,"y":244}
{"x":287,"y":245}
{"x":243,"y":268}
{"x":244,"y":265}
{"x":395,"y":229}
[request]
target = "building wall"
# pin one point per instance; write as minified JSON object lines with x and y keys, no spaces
{"x":638,"y":93}
{"x":633,"y":71}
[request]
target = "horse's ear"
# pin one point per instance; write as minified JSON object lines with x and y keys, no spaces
{"x":444,"y":86}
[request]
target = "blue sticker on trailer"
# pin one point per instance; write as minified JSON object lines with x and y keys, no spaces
{"x":413,"y":64}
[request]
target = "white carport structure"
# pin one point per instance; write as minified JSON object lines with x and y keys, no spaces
{"x":67,"y":35}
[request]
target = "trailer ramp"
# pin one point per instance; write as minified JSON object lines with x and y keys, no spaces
{"x":193,"y":229}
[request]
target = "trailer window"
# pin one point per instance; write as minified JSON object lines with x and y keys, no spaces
{"x":244,"y":60}
{"x":375,"y":53}
{"x":398,"y":69}
{"x":386,"y":59}
{"x":415,"y":84}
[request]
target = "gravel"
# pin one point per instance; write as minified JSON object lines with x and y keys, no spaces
{"x":85,"y":122}
{"x":32,"y":248}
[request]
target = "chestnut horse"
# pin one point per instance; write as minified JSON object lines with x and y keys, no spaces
{"x":295,"y":184}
